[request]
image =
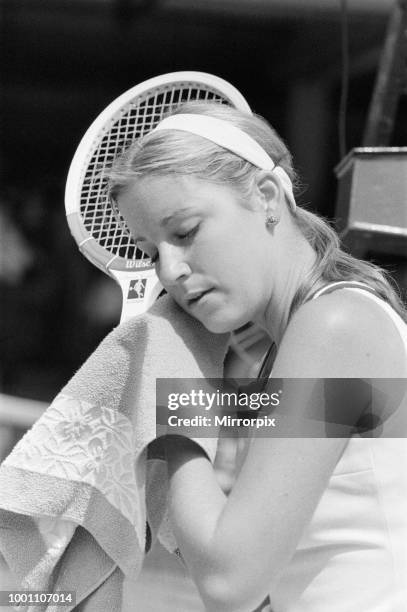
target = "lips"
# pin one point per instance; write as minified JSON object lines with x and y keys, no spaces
{"x":193,"y":297}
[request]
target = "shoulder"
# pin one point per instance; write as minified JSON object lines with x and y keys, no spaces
{"x":343,"y":334}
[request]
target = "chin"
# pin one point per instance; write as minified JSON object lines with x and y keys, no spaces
{"x":222,"y":326}
{"x":217,"y":329}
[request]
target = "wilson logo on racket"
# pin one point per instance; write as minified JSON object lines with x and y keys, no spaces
{"x":139,"y":263}
{"x":137,"y":289}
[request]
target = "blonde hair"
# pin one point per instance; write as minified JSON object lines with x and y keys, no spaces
{"x":181,"y":153}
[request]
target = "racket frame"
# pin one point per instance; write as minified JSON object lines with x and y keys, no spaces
{"x":125,"y":270}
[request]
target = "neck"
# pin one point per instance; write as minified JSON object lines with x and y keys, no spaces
{"x":287,"y":281}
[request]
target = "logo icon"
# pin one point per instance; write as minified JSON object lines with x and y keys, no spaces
{"x":137,"y":289}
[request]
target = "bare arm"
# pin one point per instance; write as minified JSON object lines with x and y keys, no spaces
{"x":236,"y":547}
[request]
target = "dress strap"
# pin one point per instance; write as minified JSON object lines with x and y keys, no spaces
{"x":270,"y":356}
{"x":268,"y":361}
{"x":342,"y":285}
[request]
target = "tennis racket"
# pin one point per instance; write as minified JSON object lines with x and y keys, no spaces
{"x":100,"y":232}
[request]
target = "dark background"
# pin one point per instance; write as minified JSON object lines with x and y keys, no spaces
{"x":63,"y":61}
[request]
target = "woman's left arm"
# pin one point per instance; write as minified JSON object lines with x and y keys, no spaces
{"x":237,"y":546}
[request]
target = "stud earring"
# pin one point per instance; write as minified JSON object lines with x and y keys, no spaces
{"x":270,"y":220}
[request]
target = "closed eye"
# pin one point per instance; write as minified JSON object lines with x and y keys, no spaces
{"x":183,"y":236}
{"x":189,"y":234}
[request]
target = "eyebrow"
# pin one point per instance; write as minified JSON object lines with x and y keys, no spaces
{"x":182,"y":212}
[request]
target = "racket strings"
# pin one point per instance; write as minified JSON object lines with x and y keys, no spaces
{"x":100,"y":215}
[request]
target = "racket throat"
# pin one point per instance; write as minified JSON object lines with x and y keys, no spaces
{"x":139,"y":291}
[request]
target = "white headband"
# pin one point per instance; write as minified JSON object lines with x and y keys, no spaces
{"x":229,"y":137}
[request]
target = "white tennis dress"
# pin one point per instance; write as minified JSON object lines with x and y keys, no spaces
{"x":352,"y":557}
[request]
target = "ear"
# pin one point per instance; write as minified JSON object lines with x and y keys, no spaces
{"x":268,"y":191}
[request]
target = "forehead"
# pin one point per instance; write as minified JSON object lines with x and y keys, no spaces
{"x":157,"y":198}
{"x":165,"y":190}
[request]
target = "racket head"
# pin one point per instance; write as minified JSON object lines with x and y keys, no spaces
{"x":100,"y":232}
{"x":92,"y":221}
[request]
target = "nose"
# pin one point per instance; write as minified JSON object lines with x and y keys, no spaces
{"x":173,"y":267}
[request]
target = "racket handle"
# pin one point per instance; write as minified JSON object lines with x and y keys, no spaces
{"x":139,"y":291}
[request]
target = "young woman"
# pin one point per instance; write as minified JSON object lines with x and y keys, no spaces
{"x":317,"y":523}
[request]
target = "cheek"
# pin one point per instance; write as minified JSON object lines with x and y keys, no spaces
{"x":249,"y":282}
{"x":224,"y":251}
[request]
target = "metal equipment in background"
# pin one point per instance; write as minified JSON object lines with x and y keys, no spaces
{"x":371,"y":209}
